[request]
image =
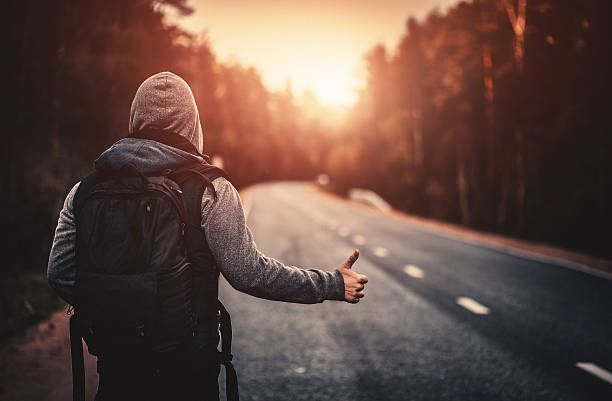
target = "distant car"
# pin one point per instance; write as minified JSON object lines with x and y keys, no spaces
{"x":369,"y":198}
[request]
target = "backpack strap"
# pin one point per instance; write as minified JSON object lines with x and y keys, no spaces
{"x":207,"y":173}
{"x":196,"y":240}
{"x":193,"y":181}
{"x":76,"y":335}
{"x":84,"y":187}
{"x":78,"y":364}
{"x":225,"y":355}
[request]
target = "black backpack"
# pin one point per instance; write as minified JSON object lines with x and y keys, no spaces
{"x":145,"y":276}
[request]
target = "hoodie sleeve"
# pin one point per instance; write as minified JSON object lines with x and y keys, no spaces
{"x":246,"y":268}
{"x":61,"y":270}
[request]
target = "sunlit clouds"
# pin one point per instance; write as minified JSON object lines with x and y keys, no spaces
{"x":316,"y":45}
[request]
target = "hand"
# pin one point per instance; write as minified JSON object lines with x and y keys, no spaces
{"x":354,"y":283}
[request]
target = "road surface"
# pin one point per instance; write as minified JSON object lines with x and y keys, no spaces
{"x":442,"y":319}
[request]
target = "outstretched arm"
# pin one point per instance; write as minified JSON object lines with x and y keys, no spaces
{"x":250,"y":271}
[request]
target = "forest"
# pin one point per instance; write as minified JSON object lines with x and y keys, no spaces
{"x":492,"y":115}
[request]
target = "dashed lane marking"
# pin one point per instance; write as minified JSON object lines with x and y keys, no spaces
{"x":473,"y":306}
{"x":359,"y":239}
{"x":414,"y":271}
{"x":381,"y":252}
{"x":595,"y":371}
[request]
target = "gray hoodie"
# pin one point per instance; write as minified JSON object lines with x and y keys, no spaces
{"x":165,"y":102}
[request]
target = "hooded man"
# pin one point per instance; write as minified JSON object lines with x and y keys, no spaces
{"x":164,"y":135}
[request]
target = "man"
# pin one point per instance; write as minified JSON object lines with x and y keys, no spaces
{"x":165,"y":135}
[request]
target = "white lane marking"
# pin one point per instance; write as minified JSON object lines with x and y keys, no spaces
{"x":343,"y":231}
{"x":472,"y":306}
{"x":359,"y":239}
{"x":381,"y":252}
{"x":414,"y":271}
{"x":595,"y":371}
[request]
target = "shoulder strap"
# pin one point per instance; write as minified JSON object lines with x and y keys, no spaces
{"x":193,"y":181}
{"x":225,"y":355}
{"x":78,"y":364}
{"x":84,"y":187}
{"x":207,"y":172}
{"x":76,"y":344}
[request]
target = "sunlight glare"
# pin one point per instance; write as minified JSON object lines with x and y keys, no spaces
{"x":316,"y":45}
{"x":331,"y":82}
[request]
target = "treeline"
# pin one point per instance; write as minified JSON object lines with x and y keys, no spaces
{"x":494,"y":115}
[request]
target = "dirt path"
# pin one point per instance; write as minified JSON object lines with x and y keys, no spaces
{"x":37,"y":366}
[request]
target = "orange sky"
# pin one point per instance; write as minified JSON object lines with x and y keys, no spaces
{"x":316,"y":44}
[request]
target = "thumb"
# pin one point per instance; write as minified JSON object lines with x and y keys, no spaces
{"x":352,"y":259}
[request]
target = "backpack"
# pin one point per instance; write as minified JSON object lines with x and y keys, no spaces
{"x":145,"y":276}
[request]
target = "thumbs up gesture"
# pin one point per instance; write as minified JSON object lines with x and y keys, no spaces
{"x":354,"y":283}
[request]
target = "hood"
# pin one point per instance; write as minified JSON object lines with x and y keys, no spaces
{"x":164,"y":102}
{"x":148,"y":156}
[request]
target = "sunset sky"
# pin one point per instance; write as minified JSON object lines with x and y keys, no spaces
{"x":315,"y":44}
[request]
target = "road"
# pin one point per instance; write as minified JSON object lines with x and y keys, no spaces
{"x":442,"y":319}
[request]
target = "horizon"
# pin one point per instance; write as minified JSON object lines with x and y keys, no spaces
{"x":287,"y":53}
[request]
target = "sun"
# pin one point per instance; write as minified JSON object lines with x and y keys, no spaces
{"x":334,"y":89}
{"x":331,"y":79}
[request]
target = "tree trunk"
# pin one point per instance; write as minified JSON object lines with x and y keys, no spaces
{"x":462,"y":188}
{"x":518,"y":22}
{"x":520,"y":180}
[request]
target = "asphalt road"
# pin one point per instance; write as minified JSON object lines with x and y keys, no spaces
{"x":442,"y":319}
